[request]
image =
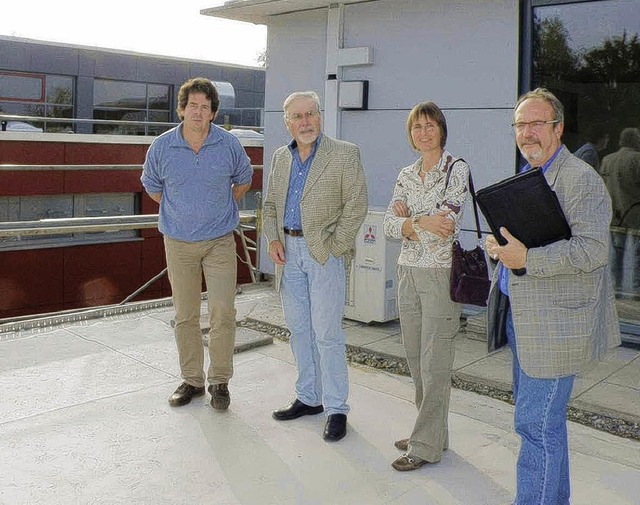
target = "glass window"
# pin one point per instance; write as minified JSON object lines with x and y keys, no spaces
{"x":59,"y":90}
{"x":22,"y":87}
{"x":33,"y":208}
{"x":131,"y":101}
{"x":130,"y":95}
{"x":588,"y":54}
{"x":49,"y":96}
{"x":158,"y":97}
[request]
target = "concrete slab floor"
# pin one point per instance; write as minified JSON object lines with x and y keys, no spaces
{"x":84,"y":420}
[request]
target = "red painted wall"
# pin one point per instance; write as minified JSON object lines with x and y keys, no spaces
{"x":52,"y":279}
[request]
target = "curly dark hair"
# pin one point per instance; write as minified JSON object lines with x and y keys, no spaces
{"x":197,"y":85}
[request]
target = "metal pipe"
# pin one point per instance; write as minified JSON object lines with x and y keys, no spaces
{"x":41,"y":119}
{"x":143,"y":287}
{"x":91,"y":224}
{"x":77,"y":225}
{"x":66,"y":168}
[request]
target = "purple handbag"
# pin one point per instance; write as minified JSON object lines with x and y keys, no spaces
{"x":470,"y":281}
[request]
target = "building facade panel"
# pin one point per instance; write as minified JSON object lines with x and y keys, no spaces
{"x":461,"y":54}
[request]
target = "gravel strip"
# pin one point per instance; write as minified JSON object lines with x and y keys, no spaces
{"x":393,"y":364}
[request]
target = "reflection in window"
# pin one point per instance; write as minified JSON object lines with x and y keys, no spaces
{"x":39,"y":95}
{"x":34,"y":208}
{"x":130,"y":101}
{"x":21,"y":87}
{"x":588,"y":54}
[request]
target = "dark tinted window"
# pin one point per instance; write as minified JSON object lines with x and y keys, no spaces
{"x":21,"y":87}
{"x":131,"y":101}
{"x":588,"y":54}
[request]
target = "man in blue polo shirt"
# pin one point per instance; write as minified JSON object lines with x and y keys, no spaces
{"x":197,"y":172}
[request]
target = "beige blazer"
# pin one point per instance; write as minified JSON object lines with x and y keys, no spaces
{"x":563,"y":307}
{"x":333,"y":204}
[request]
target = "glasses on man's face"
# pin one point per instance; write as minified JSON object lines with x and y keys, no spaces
{"x":296,"y":117}
{"x":536,"y":126}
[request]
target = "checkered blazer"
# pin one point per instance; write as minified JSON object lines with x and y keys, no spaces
{"x":563,"y":307}
{"x":333,"y":204}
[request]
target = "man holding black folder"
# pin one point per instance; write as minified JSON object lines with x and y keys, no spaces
{"x":557,"y":314}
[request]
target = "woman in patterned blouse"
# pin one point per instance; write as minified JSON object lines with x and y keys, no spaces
{"x":425,"y":213}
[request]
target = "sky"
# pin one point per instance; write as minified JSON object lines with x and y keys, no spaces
{"x":163,"y":27}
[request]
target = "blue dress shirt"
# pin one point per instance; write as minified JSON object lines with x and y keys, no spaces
{"x":503,"y":273}
{"x":297,"y":180}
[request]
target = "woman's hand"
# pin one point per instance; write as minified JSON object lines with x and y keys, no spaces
{"x":438,"y":224}
{"x":400,"y":209}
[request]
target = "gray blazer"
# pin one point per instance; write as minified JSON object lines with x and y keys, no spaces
{"x":333,"y":204}
{"x":563,"y":307}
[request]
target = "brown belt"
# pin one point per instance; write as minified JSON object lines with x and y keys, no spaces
{"x":293,"y":233}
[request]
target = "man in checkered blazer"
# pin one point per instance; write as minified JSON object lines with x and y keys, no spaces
{"x":316,"y":201}
{"x":559,"y":316}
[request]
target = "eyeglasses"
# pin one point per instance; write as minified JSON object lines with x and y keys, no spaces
{"x":428,"y":128}
{"x":534,"y":125}
{"x":298,"y":116}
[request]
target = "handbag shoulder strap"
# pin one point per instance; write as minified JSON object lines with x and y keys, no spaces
{"x":471,"y":190}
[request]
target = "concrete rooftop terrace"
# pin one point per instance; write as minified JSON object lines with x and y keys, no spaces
{"x":84,"y":419}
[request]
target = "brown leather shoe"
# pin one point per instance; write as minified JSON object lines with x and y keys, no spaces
{"x":184,"y":394}
{"x":220,"y":398}
{"x":406,"y":463}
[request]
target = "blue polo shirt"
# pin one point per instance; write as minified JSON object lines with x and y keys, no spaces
{"x":197,"y":202}
{"x":503,"y":273}
{"x":297,"y":180}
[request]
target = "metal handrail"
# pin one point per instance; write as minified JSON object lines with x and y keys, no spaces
{"x":77,"y":225}
{"x":91,"y":224}
{"x":59,"y":168}
{"x":121,"y":122}
{"x":118,"y":223}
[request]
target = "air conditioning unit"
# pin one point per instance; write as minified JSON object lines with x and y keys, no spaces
{"x":371,"y":283}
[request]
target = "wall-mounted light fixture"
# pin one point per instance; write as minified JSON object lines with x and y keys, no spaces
{"x":353,"y":95}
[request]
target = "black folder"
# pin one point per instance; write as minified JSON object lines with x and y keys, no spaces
{"x":526,"y":206}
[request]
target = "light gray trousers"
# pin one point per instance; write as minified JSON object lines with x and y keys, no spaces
{"x":429,"y":322}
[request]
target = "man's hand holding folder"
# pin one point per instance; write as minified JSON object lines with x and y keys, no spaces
{"x":513,"y":254}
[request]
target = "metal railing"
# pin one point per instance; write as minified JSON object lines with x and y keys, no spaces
{"x":120,"y":223}
{"x":77,"y":225}
{"x":5,"y":118}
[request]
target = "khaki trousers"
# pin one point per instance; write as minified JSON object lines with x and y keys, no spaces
{"x":186,"y":263}
{"x":429,"y":322}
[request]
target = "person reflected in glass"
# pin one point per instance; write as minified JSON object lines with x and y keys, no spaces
{"x":621,"y":174}
{"x":425,"y":213}
{"x":597,"y":140}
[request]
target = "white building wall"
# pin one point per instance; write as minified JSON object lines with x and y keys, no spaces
{"x":462,"y":54}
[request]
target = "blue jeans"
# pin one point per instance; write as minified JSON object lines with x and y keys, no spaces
{"x":541,"y":423}
{"x":313,"y":298}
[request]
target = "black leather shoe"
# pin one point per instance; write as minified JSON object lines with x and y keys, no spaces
{"x":184,"y":393}
{"x":336,"y":427}
{"x":295,"y":410}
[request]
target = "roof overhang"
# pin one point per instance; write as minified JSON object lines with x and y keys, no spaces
{"x":259,"y":11}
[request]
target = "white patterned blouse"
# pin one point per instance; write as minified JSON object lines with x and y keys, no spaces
{"x":428,"y":197}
